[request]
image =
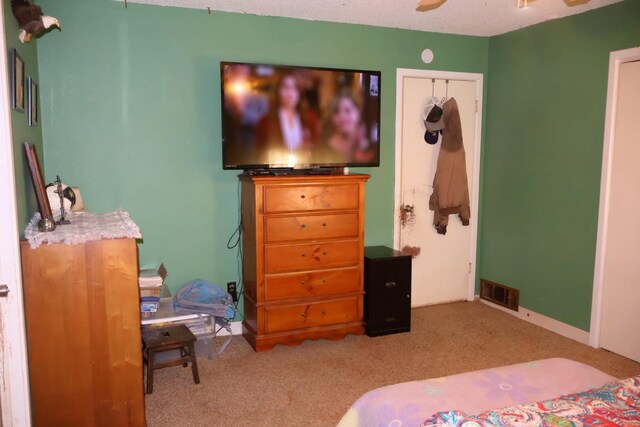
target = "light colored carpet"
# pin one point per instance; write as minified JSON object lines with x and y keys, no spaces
{"x":315,"y":383}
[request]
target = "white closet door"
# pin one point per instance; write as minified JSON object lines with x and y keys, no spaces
{"x":441,"y":263}
{"x":620,"y":330}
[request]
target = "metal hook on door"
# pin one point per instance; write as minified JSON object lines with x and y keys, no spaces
{"x":433,"y":87}
{"x":446,"y":91}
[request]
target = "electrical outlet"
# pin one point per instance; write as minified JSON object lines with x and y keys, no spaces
{"x":231,"y":287}
{"x":232,"y":290}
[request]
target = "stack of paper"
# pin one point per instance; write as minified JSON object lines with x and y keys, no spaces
{"x":150,"y":282}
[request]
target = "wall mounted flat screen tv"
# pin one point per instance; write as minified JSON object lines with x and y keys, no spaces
{"x":276,"y":116}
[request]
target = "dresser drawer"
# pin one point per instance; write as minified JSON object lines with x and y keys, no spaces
{"x":310,"y":227}
{"x":312,"y":284}
{"x":299,"y":316}
{"x":314,"y":256}
{"x":311,"y":197}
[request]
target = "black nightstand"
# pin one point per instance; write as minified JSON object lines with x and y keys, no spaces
{"x":387,"y":287}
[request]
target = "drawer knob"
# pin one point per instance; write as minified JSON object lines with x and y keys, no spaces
{"x":390,"y":284}
{"x":303,"y":314}
{"x":324,"y":253}
{"x":303,"y":283}
{"x":302,"y":196}
{"x":304,"y":255}
{"x":324,"y":224}
{"x":324,"y":280}
{"x":324,"y":312}
{"x":303,"y":225}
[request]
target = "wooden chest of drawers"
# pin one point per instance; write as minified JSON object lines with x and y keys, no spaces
{"x":303,"y":255}
{"x":82,"y":310}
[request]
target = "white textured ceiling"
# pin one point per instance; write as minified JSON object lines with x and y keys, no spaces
{"x":468,"y":17}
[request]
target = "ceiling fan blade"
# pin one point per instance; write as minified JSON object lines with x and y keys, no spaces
{"x":425,"y":5}
{"x":576,"y":2}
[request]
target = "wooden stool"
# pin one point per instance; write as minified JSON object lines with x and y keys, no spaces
{"x":158,"y":339}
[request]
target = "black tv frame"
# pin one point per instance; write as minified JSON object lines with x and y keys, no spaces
{"x":301,"y":168}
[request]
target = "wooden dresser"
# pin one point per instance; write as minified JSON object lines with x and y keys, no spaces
{"x":83,"y":333}
{"x":303,"y":255}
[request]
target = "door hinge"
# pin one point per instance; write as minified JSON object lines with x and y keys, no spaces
{"x":476,"y":105}
{"x":4,"y":290}
{"x":469,"y":268}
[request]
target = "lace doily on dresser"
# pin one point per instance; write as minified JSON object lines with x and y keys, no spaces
{"x":84,"y":227}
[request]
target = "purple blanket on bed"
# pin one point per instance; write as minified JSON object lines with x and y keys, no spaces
{"x":614,"y":404}
{"x":410,"y":403}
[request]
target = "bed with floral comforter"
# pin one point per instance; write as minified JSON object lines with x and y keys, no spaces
{"x":411,"y":403}
{"x":614,"y":404}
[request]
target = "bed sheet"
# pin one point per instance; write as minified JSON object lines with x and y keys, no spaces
{"x":614,"y":404}
{"x":410,"y":403}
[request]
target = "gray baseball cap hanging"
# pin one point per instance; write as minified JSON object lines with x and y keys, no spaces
{"x":433,"y":116}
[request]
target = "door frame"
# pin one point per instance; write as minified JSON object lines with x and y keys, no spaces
{"x":401,"y":74}
{"x":14,"y":392}
{"x":616,"y":59}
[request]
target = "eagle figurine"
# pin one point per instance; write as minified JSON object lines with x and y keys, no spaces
{"x":32,"y":22}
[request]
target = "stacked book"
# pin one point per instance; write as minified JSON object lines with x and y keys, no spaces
{"x":150,"y":282}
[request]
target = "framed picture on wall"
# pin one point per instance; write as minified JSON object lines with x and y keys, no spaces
{"x":17,"y":81}
{"x":32,"y":89}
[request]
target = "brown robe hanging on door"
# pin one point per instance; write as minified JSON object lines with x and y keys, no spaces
{"x":450,"y":186}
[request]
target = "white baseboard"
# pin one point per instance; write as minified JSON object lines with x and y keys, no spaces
{"x":538,"y":319}
{"x":236,"y":329}
{"x":530,"y":316}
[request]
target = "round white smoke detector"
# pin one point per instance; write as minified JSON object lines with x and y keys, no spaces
{"x":427,"y":56}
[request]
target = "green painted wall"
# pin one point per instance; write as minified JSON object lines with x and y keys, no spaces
{"x":21,"y":130}
{"x":132,"y":113}
{"x":545,"y":117}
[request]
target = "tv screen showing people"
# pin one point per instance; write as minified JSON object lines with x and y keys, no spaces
{"x":277,"y":116}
